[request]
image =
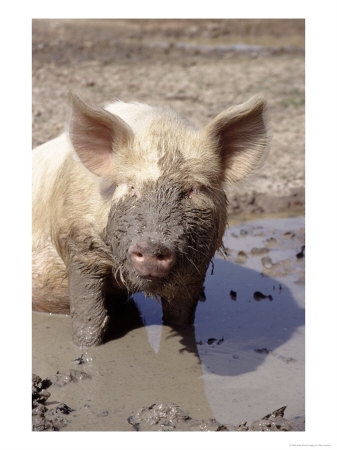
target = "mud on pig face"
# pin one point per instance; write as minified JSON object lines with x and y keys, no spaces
{"x":164,"y":234}
{"x":165,"y":184}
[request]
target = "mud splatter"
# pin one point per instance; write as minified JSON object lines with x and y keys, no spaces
{"x":258,"y":296}
{"x":170,"y":417}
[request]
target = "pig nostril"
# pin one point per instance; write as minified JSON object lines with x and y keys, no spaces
{"x":151,"y":260}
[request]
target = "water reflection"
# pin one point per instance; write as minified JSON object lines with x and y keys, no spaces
{"x":245,"y":324}
{"x":231,"y":331}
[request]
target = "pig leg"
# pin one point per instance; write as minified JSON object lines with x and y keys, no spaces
{"x":180,"y":308}
{"x":87,"y":307}
{"x":89,"y":265}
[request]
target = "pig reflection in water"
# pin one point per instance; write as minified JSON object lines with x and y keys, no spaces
{"x":132,"y":199}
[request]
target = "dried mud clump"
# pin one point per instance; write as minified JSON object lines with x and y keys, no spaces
{"x":170,"y":417}
{"x":44,"y":419}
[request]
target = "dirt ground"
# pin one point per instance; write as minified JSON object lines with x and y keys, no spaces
{"x":235,"y":369}
{"x":197,"y":67}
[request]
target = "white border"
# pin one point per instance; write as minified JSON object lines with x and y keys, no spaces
{"x":321,"y":220}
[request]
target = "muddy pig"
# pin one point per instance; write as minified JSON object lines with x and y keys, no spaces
{"x":131,"y":198}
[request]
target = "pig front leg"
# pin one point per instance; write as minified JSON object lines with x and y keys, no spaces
{"x":87,"y":307}
{"x":179,"y":308}
{"x":89,"y":266}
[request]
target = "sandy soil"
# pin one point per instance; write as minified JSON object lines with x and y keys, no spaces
{"x":193,"y":66}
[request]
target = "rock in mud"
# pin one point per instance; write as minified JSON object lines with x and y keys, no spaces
{"x":267,"y":262}
{"x":241,"y":257}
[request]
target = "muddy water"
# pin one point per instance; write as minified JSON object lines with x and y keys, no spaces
{"x":242,"y":359}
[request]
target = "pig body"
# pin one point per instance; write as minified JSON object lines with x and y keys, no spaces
{"x":131,"y":199}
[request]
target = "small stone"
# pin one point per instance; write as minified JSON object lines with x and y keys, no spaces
{"x":267,"y":262}
{"x":241,"y":257}
{"x":259,"y":250}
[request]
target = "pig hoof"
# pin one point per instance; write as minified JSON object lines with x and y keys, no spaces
{"x":89,"y":336}
{"x":86,"y":338}
{"x":85,"y":335}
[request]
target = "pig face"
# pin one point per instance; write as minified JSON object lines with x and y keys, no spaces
{"x":163,"y":236}
{"x":165,"y":184}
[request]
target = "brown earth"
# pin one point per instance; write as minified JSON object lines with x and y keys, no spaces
{"x":197,"y":67}
{"x":243,"y":358}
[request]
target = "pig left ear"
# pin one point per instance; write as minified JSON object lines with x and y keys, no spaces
{"x":239,"y":135}
{"x":96,"y":136}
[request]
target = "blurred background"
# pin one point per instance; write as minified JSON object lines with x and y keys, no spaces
{"x":197,"y":67}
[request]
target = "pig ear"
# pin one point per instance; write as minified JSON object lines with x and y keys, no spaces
{"x":239,"y":136}
{"x":95,"y":135}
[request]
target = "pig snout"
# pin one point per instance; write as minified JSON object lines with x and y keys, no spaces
{"x":151,"y":260}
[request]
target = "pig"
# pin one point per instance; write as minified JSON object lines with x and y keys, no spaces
{"x":132,"y":198}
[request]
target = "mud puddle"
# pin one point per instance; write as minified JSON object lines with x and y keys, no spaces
{"x":242,"y":360}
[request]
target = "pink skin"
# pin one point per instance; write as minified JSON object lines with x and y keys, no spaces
{"x":150,"y":260}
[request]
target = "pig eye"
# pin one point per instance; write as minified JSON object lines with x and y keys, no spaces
{"x":134,"y":191}
{"x":191,"y":191}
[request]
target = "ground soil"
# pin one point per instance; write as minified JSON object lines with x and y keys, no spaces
{"x":242,"y":360}
{"x":198,"y":67}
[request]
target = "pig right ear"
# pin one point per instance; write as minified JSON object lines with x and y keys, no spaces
{"x":239,"y":136}
{"x":96,"y":135}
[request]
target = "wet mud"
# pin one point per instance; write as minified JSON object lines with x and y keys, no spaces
{"x":169,"y":417}
{"x":243,"y":359}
